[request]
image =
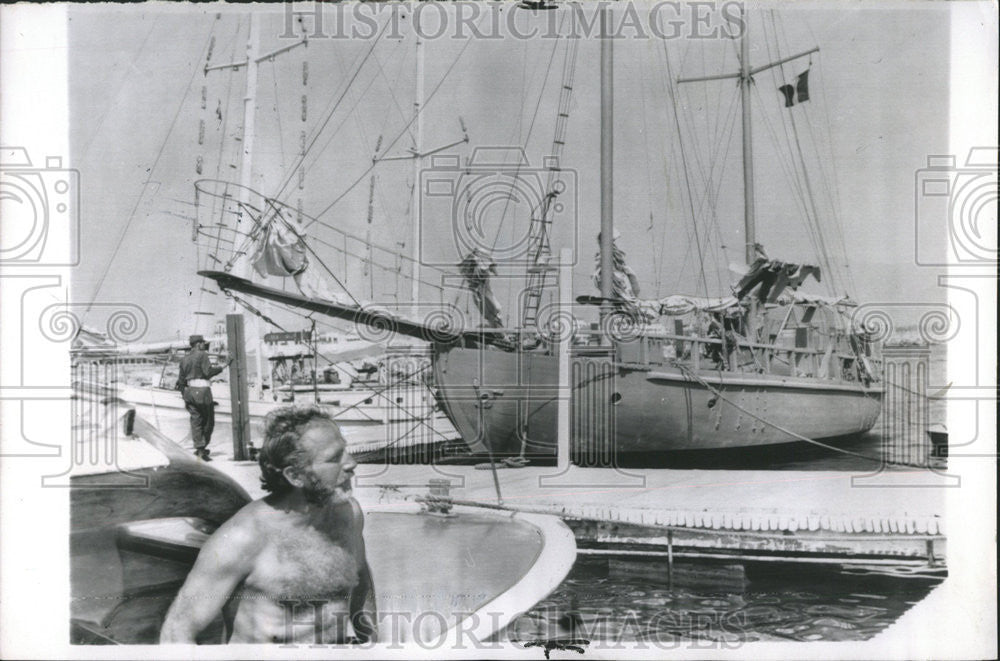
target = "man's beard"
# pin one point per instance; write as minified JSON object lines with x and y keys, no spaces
{"x":319,"y":494}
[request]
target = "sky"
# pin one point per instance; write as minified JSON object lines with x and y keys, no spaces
{"x":879,"y":105}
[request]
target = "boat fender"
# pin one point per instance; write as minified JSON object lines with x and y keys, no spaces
{"x":713,"y":401}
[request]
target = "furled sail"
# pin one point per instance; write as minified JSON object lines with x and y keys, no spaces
{"x":477,"y":268}
{"x":282,"y":252}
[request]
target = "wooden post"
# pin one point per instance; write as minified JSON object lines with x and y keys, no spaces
{"x":239,"y":389}
{"x":670,"y":559}
{"x":565,"y":388}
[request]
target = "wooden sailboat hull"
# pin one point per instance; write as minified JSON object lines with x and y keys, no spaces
{"x":500,"y":400}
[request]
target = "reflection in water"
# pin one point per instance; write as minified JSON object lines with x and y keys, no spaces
{"x":780,"y":602}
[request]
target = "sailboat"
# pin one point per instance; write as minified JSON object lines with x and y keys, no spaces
{"x":764,"y":366}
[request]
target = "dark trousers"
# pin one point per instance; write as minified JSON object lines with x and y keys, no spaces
{"x":198,"y":402}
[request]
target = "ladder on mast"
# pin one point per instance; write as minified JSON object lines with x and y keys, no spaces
{"x":539,"y":231}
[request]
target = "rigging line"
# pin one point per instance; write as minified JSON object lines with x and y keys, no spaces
{"x":790,"y":171}
{"x":322,"y":263}
{"x":671,"y":167}
{"x":834,"y":217}
{"x":149,"y":178}
{"x":787,"y":164}
{"x":710,"y":196}
{"x":315,"y":155}
{"x":836,"y":229}
{"x":121,"y":86}
{"x":713,"y":186}
{"x":390,"y":87}
{"x":422,"y":108}
{"x":253,"y":310}
{"x":517,"y":168}
{"x":355,"y":237}
{"x":373,"y":263}
{"x":812,"y":205}
{"x":277,"y":115}
{"x":799,"y":165}
{"x":384,"y":205}
{"x":687,"y":181}
{"x":715,"y":181}
{"x":364,"y":136}
{"x":787,"y":161}
{"x":531,"y":128}
{"x":713,"y":216}
{"x":835,"y":194}
{"x":660,"y":239}
{"x":329,"y":115}
{"x":218,"y":204}
{"x":646,"y":143}
{"x":777,"y":77}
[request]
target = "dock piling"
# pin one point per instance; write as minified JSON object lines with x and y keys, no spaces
{"x":239,"y":387}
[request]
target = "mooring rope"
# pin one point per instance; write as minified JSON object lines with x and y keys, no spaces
{"x":715,"y":391}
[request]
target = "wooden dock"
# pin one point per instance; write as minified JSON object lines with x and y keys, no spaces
{"x":798,"y":516}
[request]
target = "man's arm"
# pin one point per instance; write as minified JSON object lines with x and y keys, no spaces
{"x":224,"y":561}
{"x":208,"y":369}
{"x":364,"y":616}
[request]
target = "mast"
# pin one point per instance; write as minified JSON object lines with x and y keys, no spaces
{"x":417,"y":163}
{"x":246,"y":176}
{"x":745,"y":77}
{"x":249,"y":107}
{"x":241,"y":264}
{"x":745,"y":81}
{"x":607,"y":161}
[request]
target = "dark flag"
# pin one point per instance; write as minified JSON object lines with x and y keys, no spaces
{"x":800,"y":90}
{"x":802,"y":86}
{"x":789,"y":93}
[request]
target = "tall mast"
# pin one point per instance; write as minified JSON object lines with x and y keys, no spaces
{"x":417,"y":162}
{"x":607,"y":161}
{"x":745,"y":81}
{"x":745,"y":76}
{"x":250,"y":107}
{"x":242,"y":264}
{"x":246,"y":175}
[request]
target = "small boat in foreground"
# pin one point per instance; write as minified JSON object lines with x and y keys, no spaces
{"x":137,"y":527}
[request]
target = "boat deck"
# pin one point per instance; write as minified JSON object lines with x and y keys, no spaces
{"x":757,"y":515}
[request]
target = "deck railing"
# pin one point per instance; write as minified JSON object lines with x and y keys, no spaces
{"x":741,"y":355}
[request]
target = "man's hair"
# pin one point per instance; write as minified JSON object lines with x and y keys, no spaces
{"x":282,"y":443}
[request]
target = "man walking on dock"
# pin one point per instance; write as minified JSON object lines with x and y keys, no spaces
{"x":195,"y":383}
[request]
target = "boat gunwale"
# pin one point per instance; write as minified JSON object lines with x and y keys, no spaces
{"x":765,"y":381}
{"x":546,"y":573}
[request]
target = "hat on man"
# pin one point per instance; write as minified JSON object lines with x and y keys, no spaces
{"x":195,"y":339}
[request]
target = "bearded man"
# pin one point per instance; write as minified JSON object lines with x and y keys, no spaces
{"x":290,"y":567}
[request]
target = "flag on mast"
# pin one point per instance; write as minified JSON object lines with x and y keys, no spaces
{"x":797,"y":93}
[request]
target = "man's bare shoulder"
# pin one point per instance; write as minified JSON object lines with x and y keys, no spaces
{"x":242,"y":530}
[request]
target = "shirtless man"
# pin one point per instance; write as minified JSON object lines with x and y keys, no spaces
{"x":291,"y":567}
